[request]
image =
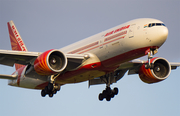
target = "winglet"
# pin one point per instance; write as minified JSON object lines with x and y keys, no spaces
{"x":15,"y":38}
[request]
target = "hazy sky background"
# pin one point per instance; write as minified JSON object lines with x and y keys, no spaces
{"x":44,"y":25}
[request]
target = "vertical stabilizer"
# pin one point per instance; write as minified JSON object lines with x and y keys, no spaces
{"x":16,"y":40}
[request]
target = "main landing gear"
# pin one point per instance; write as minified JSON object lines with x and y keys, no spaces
{"x":108,"y":93}
{"x":51,"y":88}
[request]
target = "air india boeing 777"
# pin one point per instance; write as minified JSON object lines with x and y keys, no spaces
{"x":103,"y":58}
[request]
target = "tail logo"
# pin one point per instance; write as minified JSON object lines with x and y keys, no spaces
{"x":18,"y":39}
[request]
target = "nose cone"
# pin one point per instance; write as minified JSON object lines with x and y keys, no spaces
{"x":161,"y":35}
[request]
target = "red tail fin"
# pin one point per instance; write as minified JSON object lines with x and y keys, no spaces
{"x":16,"y":40}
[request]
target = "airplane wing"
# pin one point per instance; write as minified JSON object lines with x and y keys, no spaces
{"x":135,"y":70}
{"x":132,"y":67}
{"x":10,"y":57}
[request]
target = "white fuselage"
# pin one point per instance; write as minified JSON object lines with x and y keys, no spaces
{"x":112,"y":47}
{"x":120,"y":41}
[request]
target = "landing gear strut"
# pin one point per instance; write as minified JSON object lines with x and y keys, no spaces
{"x":51,"y":88}
{"x":150,"y":56}
{"x":108,"y":93}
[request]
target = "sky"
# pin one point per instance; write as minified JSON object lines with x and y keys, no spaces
{"x":52,"y":24}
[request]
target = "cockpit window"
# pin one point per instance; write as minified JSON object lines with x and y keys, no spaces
{"x":156,"y":24}
{"x":153,"y":24}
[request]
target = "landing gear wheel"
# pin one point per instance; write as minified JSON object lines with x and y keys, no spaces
{"x":46,"y":90}
{"x":108,"y":93}
{"x":115,"y":91}
{"x":50,"y":94}
{"x":108,"y":98}
{"x":112,"y":95}
{"x":101,"y":97}
{"x":43,"y":93}
{"x":50,"y":86}
{"x":55,"y":91}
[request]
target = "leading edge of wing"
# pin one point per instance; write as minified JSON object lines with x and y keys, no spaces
{"x":174,"y":65}
{"x":9,"y":57}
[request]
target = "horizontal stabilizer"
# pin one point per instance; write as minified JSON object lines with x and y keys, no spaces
{"x":8,"y":76}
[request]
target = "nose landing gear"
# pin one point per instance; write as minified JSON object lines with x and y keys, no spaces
{"x":150,"y":56}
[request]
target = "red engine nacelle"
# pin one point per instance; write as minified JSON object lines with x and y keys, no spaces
{"x":160,"y":70}
{"x":50,"y":62}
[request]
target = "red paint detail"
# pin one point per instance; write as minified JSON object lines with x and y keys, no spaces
{"x":109,"y":33}
{"x":106,"y":39}
{"x":86,"y":68}
{"x":88,"y":49}
{"x":41,"y":64}
{"x":147,"y":51}
{"x":85,"y":47}
{"x":125,"y":57}
{"x":146,"y":74}
{"x":19,"y":70}
{"x":106,"y":66}
{"x":117,"y":30}
{"x":114,"y":40}
{"x":78,"y":50}
{"x":16,"y":43}
{"x":103,"y":44}
{"x":114,"y":36}
{"x":92,"y":66}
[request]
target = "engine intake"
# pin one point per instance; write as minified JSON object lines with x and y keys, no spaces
{"x":50,"y":62}
{"x":160,"y":71}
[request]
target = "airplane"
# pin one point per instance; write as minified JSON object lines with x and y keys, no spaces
{"x":103,"y":58}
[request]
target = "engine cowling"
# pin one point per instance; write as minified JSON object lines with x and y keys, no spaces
{"x":160,"y":71}
{"x":50,"y":62}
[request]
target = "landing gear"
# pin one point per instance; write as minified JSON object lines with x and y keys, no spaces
{"x":51,"y":88}
{"x":108,"y":93}
{"x":150,"y":56}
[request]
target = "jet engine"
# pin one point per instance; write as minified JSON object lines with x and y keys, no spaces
{"x":50,"y":62}
{"x":159,"y":71}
